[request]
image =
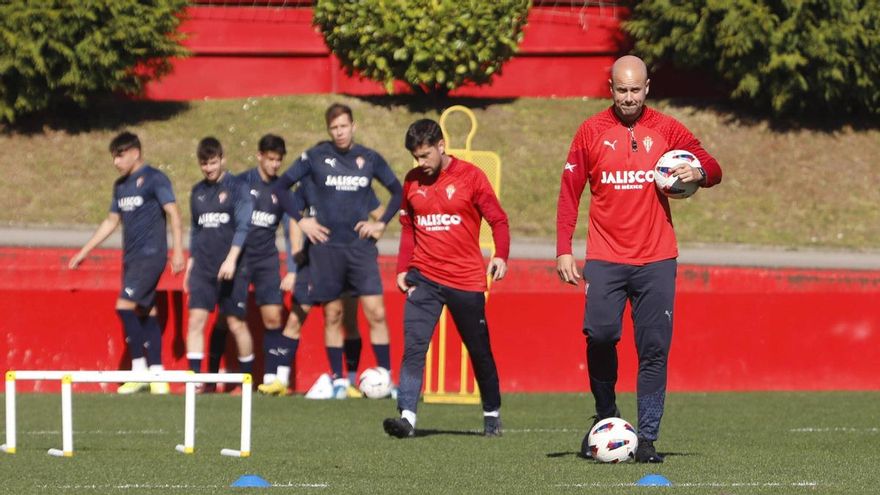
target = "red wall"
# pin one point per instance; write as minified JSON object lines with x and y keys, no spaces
{"x":245,"y":51}
{"x":735,"y":328}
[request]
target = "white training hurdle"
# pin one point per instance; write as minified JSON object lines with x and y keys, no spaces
{"x":68,"y":378}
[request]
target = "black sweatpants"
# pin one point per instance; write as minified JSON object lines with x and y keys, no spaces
{"x":651,"y":290}
{"x":421,"y":312}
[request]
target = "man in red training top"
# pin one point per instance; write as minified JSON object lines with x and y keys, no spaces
{"x":632,"y":251}
{"x":440,"y":263}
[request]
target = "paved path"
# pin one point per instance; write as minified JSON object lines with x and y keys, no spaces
{"x":725,"y":255}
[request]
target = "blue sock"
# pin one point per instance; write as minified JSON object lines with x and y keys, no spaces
{"x":290,"y":346}
{"x":383,"y":355}
{"x":134,"y":332}
{"x":153,"y":338}
{"x":334,"y":355}
{"x":217,"y":346}
{"x":271,"y":345}
{"x":352,"y":349}
{"x":246,"y":364}
{"x":195,"y":361}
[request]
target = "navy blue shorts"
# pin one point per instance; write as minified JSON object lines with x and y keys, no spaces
{"x":140,"y":277}
{"x":264,"y":273}
{"x":334,"y":269}
{"x":207,"y":292}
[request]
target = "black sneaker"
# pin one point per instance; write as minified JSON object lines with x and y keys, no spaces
{"x":399,"y":428}
{"x":491,"y":426}
{"x":647,"y":453}
{"x":585,"y":444}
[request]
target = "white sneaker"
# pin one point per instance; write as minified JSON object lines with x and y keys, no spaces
{"x":322,"y":388}
{"x":340,"y":388}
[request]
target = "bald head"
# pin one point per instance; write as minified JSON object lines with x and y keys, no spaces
{"x":629,"y":87}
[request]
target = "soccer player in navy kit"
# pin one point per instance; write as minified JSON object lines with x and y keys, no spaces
{"x":221,"y":213}
{"x":299,"y":284}
{"x":343,"y":253}
{"x":631,"y":246}
{"x":440,"y":263}
{"x":142,"y":201}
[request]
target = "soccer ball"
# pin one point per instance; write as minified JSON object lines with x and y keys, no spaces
{"x":375,"y":383}
{"x":613,"y":440}
{"x":669,"y":185}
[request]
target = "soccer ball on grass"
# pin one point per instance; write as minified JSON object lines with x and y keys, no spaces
{"x":375,"y":383}
{"x":613,"y":440}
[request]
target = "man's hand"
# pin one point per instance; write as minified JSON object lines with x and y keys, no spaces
{"x":687,"y":173}
{"x":74,"y":262}
{"x":567,"y":269}
{"x":497,"y":269}
{"x":316,"y":232}
{"x":401,"y":282}
{"x":227,"y":270}
{"x":177,"y":261}
{"x":288,"y":282}
{"x":369,"y":228}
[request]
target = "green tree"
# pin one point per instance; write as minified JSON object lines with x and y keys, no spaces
{"x":57,"y":51}
{"x":790,"y":57}
{"x":433,"y":45}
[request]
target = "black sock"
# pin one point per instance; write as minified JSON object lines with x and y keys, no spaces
{"x":153,"y":338}
{"x":334,"y":355}
{"x":134,"y":332}
{"x":217,"y":346}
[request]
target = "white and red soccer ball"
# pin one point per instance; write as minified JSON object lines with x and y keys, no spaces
{"x":669,"y":185}
{"x":613,"y":440}
{"x":375,"y":383}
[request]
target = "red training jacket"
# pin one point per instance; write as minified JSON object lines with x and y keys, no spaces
{"x":629,"y":219}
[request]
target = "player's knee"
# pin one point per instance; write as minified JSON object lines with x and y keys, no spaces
{"x":602,"y":334}
{"x":272,"y":321}
{"x":237,"y":326}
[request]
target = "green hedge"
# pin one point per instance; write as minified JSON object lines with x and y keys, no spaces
{"x":57,"y":51}
{"x":433,"y":45}
{"x":788,"y":57}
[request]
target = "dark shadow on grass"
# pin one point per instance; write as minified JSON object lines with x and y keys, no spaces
{"x":423,"y":104}
{"x":110,"y":113}
{"x":429,"y":432}
{"x":736,"y":113}
{"x":579,"y":455}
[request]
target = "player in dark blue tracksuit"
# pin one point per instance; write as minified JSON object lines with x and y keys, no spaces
{"x":142,"y":199}
{"x":221,"y":211}
{"x":343,"y":252}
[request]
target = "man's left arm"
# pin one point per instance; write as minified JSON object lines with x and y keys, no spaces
{"x":165,"y":196}
{"x":490,"y":208}
{"x":683,"y":139}
{"x":243,"y":208}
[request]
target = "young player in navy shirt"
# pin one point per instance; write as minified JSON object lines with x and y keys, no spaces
{"x":343,"y":253}
{"x":142,"y":200}
{"x":221,"y":212}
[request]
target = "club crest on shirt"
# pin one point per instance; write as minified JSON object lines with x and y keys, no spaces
{"x":222,"y":197}
{"x":139,"y":182}
{"x":450,"y":190}
{"x":274,"y":199}
{"x":360,"y":162}
{"x":648,"y":142}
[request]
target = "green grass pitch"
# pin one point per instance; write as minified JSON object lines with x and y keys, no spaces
{"x":717,"y":443}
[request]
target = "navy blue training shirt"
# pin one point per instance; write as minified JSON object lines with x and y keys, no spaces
{"x":265,"y":218}
{"x":221,"y":214}
{"x":138,"y":198}
{"x":342,"y":183}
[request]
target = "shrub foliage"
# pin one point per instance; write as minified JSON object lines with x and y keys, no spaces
{"x":432,"y":45}
{"x":57,"y":51}
{"x":791,"y":57}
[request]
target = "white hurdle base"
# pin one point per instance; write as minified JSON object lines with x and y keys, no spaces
{"x":189,"y":378}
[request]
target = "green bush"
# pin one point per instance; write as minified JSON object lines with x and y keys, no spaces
{"x":57,"y":51}
{"x":791,"y":57}
{"x":433,"y":45}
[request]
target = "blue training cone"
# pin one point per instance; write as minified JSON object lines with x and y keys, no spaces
{"x":251,"y":481}
{"x":653,"y":480}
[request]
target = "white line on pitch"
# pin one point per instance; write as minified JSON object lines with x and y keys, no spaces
{"x":835,"y":429}
{"x":147,"y":486}
{"x":697,"y":485}
{"x":101,"y":432}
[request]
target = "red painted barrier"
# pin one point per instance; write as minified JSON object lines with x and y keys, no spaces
{"x":735,"y":328}
{"x":254,"y":51}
